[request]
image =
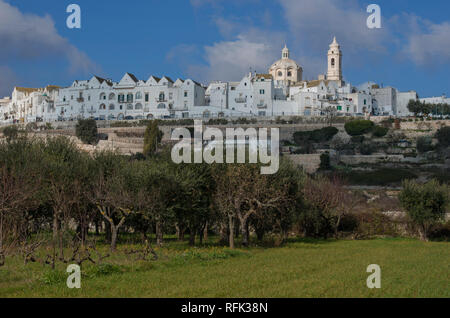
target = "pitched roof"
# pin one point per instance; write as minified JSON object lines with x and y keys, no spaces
{"x":169,"y":79}
{"x":134,"y":78}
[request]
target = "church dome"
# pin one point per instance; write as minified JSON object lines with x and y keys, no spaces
{"x":285,"y":69}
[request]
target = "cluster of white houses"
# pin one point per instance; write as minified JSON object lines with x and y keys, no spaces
{"x":280,"y":92}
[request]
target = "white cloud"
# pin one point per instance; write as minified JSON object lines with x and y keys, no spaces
{"x":428,"y":43}
{"x":231,"y":60}
{"x":30,"y":37}
{"x":313,"y":23}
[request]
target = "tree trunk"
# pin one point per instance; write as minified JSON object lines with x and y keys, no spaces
{"x":159,"y":233}
{"x":97,"y":232}
{"x":224,"y":234}
{"x":244,"y":232}
{"x":192,"y":236}
{"x":114,"y":232}
{"x":231,"y":237}
{"x":2,"y":253}
{"x":107,"y":233}
{"x":205,"y":233}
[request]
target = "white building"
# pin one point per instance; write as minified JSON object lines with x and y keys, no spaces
{"x":281,"y":92}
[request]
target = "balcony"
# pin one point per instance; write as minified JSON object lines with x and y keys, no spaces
{"x":240,"y":100}
{"x":80,"y":100}
{"x":161,"y":100}
{"x":261,"y":106}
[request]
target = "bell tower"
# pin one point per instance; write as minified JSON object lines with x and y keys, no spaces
{"x":334,"y":62}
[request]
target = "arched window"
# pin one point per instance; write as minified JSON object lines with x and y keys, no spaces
{"x":138,"y":95}
{"x":129,"y":106}
{"x":289,"y":74}
{"x":162,"y":97}
{"x":333,"y":62}
{"x":102,"y":107}
{"x":138,"y":106}
{"x":102,"y":96}
{"x":112,"y":107}
{"x":149,"y":116}
{"x":280,"y":73}
{"x":161,"y":106}
{"x":129,"y":98}
{"x":112,"y":96}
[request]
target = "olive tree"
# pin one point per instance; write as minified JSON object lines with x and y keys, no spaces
{"x":425,"y":203}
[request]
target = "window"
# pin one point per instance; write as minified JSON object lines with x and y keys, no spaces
{"x":289,"y":74}
{"x":365,"y":102}
{"x":170,"y":96}
{"x":280,"y":73}
{"x":130,"y":98}
{"x":262,"y":92}
{"x":162,"y":97}
{"x":121,"y":98}
{"x":161,"y":106}
{"x":129,"y":106}
{"x":112,"y":107}
{"x":112,"y":96}
{"x":146,"y":97}
{"x":185,"y":94}
{"x":333,"y":62}
{"x":138,"y":106}
{"x":102,"y":107}
{"x":339,"y":108}
{"x":138,"y":95}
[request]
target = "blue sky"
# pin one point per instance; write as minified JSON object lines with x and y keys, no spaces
{"x":222,"y":39}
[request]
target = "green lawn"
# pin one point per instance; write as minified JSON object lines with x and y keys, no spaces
{"x":300,"y":269}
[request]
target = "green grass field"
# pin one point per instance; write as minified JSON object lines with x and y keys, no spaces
{"x":302,"y":268}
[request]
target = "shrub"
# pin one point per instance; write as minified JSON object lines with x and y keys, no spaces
{"x":358,"y":139}
{"x":443,"y":136}
{"x":358,"y":127}
{"x":11,"y":133}
{"x":366,"y":148}
{"x":86,"y":130}
{"x":315,"y":136}
{"x":425,"y":204}
{"x":379,"y":131}
{"x":325,"y":161}
{"x":152,"y":138}
{"x":424,"y":144}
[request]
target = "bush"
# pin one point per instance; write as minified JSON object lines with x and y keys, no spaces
{"x":86,"y":130}
{"x":315,"y":136}
{"x":366,"y":148}
{"x":325,"y":162}
{"x":381,"y":177}
{"x":11,"y":133}
{"x":379,"y":131}
{"x":424,"y":144}
{"x":152,"y":138}
{"x":425,"y":204}
{"x":358,"y":127}
{"x":358,"y":139}
{"x":443,"y":136}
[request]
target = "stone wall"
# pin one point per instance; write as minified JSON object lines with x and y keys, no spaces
{"x":309,"y":163}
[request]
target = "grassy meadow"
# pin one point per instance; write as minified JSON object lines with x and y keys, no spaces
{"x":300,"y":268}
